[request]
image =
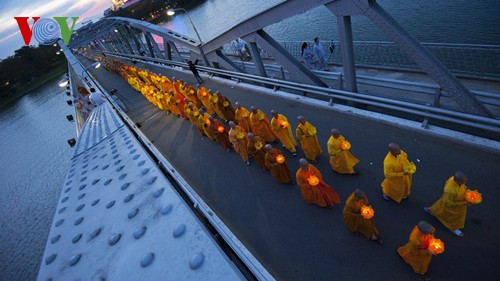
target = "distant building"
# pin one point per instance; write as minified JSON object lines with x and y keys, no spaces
{"x":117,"y":4}
{"x":107,"y":12}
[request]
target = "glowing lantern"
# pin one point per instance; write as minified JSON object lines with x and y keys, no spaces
{"x":207,"y":122}
{"x":203,"y":93}
{"x":240,"y":135}
{"x":473,"y":196}
{"x":220,"y":129}
{"x":225,"y":104}
{"x":280,"y":158}
{"x":258,"y":145}
{"x":313,"y":180}
{"x":367,"y":212}
{"x":283,"y":124}
{"x":436,"y":246}
{"x":262,"y":117}
{"x":312,"y":131}
{"x":345,"y":145}
{"x":409,"y":167}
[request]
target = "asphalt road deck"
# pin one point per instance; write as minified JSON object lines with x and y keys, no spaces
{"x":297,"y":241}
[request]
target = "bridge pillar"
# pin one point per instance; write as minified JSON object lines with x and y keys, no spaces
{"x":167,"y":49}
{"x":347,"y":51}
{"x":257,"y":59}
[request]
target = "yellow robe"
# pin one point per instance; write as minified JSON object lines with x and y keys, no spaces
{"x":242,"y":116}
{"x":204,"y":97}
{"x":260,"y":126}
{"x":415,"y":252}
{"x":256,"y":149}
{"x":238,"y":137}
{"x":306,"y":135}
{"x":281,"y":128}
{"x":342,"y":161}
{"x":214,"y":100}
{"x":321,"y":194}
{"x":353,"y":219}
{"x":451,"y":208}
{"x":396,"y":184}
{"x":204,"y":123}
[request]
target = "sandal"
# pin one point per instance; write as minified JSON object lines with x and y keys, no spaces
{"x":457,"y":232}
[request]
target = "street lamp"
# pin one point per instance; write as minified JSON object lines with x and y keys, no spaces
{"x":94,"y":65}
{"x":171,"y":12}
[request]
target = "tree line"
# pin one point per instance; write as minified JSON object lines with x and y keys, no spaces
{"x":26,"y":65}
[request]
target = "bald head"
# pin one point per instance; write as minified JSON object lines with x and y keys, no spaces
{"x":460,"y":178}
{"x":303,"y":163}
{"x":359,"y":194}
{"x":268,"y":147}
{"x":211,"y":118}
{"x":253,"y":109}
{"x":231,"y":124}
{"x":394,"y":149}
{"x":273,"y":112}
{"x":301,"y":118}
{"x":250,"y":136}
{"x":237,"y":104}
{"x":425,"y":227}
{"x":335,"y":133}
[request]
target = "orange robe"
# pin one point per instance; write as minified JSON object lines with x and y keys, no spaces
{"x":242,"y":116}
{"x":321,"y":194}
{"x":256,"y":149}
{"x":306,"y":135}
{"x":260,"y":126}
{"x":204,"y":97}
{"x":279,"y":171}
{"x":190,"y":94}
{"x":238,"y":137}
{"x":204,"y":123}
{"x":342,"y":161}
{"x":415,"y":252}
{"x":353,"y":219}
{"x":214,"y":100}
{"x":281,"y":128}
{"x":221,"y":137}
{"x":396,"y":184}
{"x":451,"y":208}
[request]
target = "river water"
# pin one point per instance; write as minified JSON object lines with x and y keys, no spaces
{"x":34,"y":162}
{"x":34,"y":130}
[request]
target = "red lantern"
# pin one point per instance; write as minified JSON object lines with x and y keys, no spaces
{"x":280,"y":158}
{"x":473,"y":196}
{"x":436,"y":246}
{"x":367,"y":212}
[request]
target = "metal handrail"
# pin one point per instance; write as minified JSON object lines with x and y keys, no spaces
{"x":425,"y":111}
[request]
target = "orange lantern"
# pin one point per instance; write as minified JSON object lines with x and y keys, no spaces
{"x":284,"y":124}
{"x":220,"y":129}
{"x":280,"y":158}
{"x":203,"y":93}
{"x":436,"y":246}
{"x":313,"y":180}
{"x":473,"y":196}
{"x":345,"y":145}
{"x":207,"y":122}
{"x":367,"y":212}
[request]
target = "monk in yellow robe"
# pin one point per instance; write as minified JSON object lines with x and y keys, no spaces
{"x":353,"y":219}
{"x":224,"y":108}
{"x":218,"y":130}
{"x":204,"y":97}
{"x":397,"y":182}
{"x":238,"y":137}
{"x":260,"y":125}
{"x":415,"y":252}
{"x":279,"y":171}
{"x":190,"y":94}
{"x":256,"y":149}
{"x":214,"y":101}
{"x":204,"y":123}
{"x":281,"y":127}
{"x":192,"y":113}
{"x":242,"y":116}
{"x":306,"y":135}
{"x":341,"y":160}
{"x":451,"y":208}
{"x":312,"y":187}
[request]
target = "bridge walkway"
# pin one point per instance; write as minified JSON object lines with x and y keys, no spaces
{"x":297,"y":241}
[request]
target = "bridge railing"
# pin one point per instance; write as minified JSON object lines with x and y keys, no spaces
{"x":463,"y":59}
{"x":425,"y":111}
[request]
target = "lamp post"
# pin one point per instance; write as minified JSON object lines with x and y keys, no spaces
{"x":94,"y":65}
{"x":171,"y":12}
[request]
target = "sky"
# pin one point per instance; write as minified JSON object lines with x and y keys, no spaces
{"x":10,"y":37}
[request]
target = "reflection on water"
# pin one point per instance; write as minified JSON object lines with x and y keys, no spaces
{"x":34,"y":160}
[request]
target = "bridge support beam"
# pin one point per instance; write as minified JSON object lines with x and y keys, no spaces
{"x":412,"y":47}
{"x":176,"y":51}
{"x":227,"y":60}
{"x":154,"y":47}
{"x":134,"y":38}
{"x":167,"y":49}
{"x":297,"y":70}
{"x":257,"y":59}
{"x":122,"y":33}
{"x":347,"y":50}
